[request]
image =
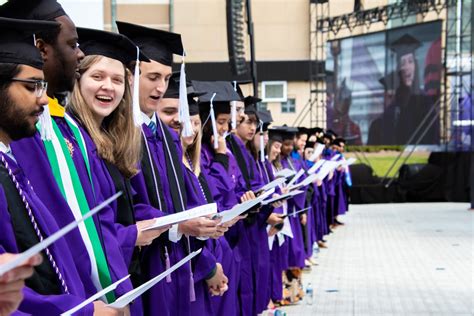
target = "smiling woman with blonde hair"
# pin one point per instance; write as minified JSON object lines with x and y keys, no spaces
{"x":101,"y":102}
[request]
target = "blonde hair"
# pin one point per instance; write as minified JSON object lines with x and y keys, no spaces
{"x":118,"y":140}
{"x":194,"y":153}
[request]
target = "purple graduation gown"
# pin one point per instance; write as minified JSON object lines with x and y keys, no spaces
{"x":215,"y":170}
{"x":34,"y":303}
{"x":296,"y":255}
{"x":177,"y":292}
{"x":39,"y":172}
{"x":237,"y":236}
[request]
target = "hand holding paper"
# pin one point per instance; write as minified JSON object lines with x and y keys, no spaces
{"x":203,"y":210}
{"x":238,"y":209}
{"x":51,"y":239}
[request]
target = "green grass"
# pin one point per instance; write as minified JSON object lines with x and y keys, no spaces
{"x":380,"y":163}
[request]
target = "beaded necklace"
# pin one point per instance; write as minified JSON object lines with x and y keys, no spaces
{"x":33,"y":221}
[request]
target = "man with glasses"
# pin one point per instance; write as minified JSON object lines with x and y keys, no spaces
{"x":55,"y":285}
{"x":61,"y":171}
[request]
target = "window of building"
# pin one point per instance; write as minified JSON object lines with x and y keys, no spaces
{"x":289,"y":106}
{"x":274,"y":91}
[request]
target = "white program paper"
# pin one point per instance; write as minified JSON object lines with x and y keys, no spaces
{"x":317,"y":151}
{"x":310,"y":179}
{"x":22,"y":257}
{"x":273,"y":184}
{"x":238,"y":209}
{"x":283,"y":196}
{"x":296,"y":177}
{"x":336,"y":157}
{"x":203,"y":210}
{"x":326,"y":169}
{"x":127,"y":298}
{"x":348,"y":162}
{"x":95,"y":297}
{"x":316,"y":166}
{"x":285,"y":173}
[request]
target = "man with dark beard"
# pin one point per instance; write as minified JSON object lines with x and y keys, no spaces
{"x":55,"y":285}
{"x":61,"y":170}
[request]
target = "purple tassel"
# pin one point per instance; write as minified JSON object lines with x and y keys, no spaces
{"x":168,"y":265}
{"x":192,"y":294}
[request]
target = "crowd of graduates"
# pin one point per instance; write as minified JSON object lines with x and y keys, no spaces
{"x":88,"y":113}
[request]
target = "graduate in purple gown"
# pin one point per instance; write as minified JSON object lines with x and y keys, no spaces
{"x":209,"y":277}
{"x":279,"y":233}
{"x":101,"y":102}
{"x":60,"y":172}
{"x":162,"y":178}
{"x":55,"y":285}
{"x":221,"y":158}
{"x":270,"y":220}
{"x":245,"y":133}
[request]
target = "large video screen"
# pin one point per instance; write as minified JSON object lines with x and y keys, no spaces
{"x":383,"y":88}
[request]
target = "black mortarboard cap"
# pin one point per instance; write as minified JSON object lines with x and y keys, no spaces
{"x":338,"y":141}
{"x":282,"y":133}
{"x":158,"y":45}
{"x":17,"y":45}
{"x":173,"y":87}
{"x":46,"y":10}
{"x":330,"y":134}
{"x":309,"y":144}
{"x":108,"y":44}
{"x":405,"y":45}
{"x":224,"y":95}
{"x":266,"y":117}
{"x":251,"y":105}
{"x":238,"y":85}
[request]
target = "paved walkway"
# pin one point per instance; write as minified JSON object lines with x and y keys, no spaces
{"x":396,"y":259}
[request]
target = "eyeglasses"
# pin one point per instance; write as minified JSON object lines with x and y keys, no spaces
{"x":40,"y":86}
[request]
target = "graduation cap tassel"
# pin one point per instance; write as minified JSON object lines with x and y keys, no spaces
{"x":192,"y":293}
{"x":214,"y":125}
{"x":168,"y":265}
{"x":184,"y":117}
{"x":137,"y":117}
{"x":262,"y":145}
{"x":45,"y":124}
{"x":233,"y":110}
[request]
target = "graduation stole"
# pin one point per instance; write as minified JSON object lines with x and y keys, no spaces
{"x":70,"y":185}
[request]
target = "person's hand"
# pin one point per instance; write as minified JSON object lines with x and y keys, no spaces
{"x":234,"y":221}
{"x":303,"y":219}
{"x":101,"y":309}
{"x":319,"y":182}
{"x":199,"y":227}
{"x":221,"y":229}
{"x":247,"y":196}
{"x":145,"y":238}
{"x":272,"y":231}
{"x":274,"y":219}
{"x":331,"y":174}
{"x":218,"y":283}
{"x":13,"y":281}
{"x":285,"y":190}
{"x":276,"y":204}
{"x":221,"y":144}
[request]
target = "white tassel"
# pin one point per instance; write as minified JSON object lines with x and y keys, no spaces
{"x":213,"y":122}
{"x":137,"y":115}
{"x":184,"y":117}
{"x":233,"y":110}
{"x":45,"y":124}
{"x":262,"y":145}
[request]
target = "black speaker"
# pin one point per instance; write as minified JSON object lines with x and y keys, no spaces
{"x":236,"y":35}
